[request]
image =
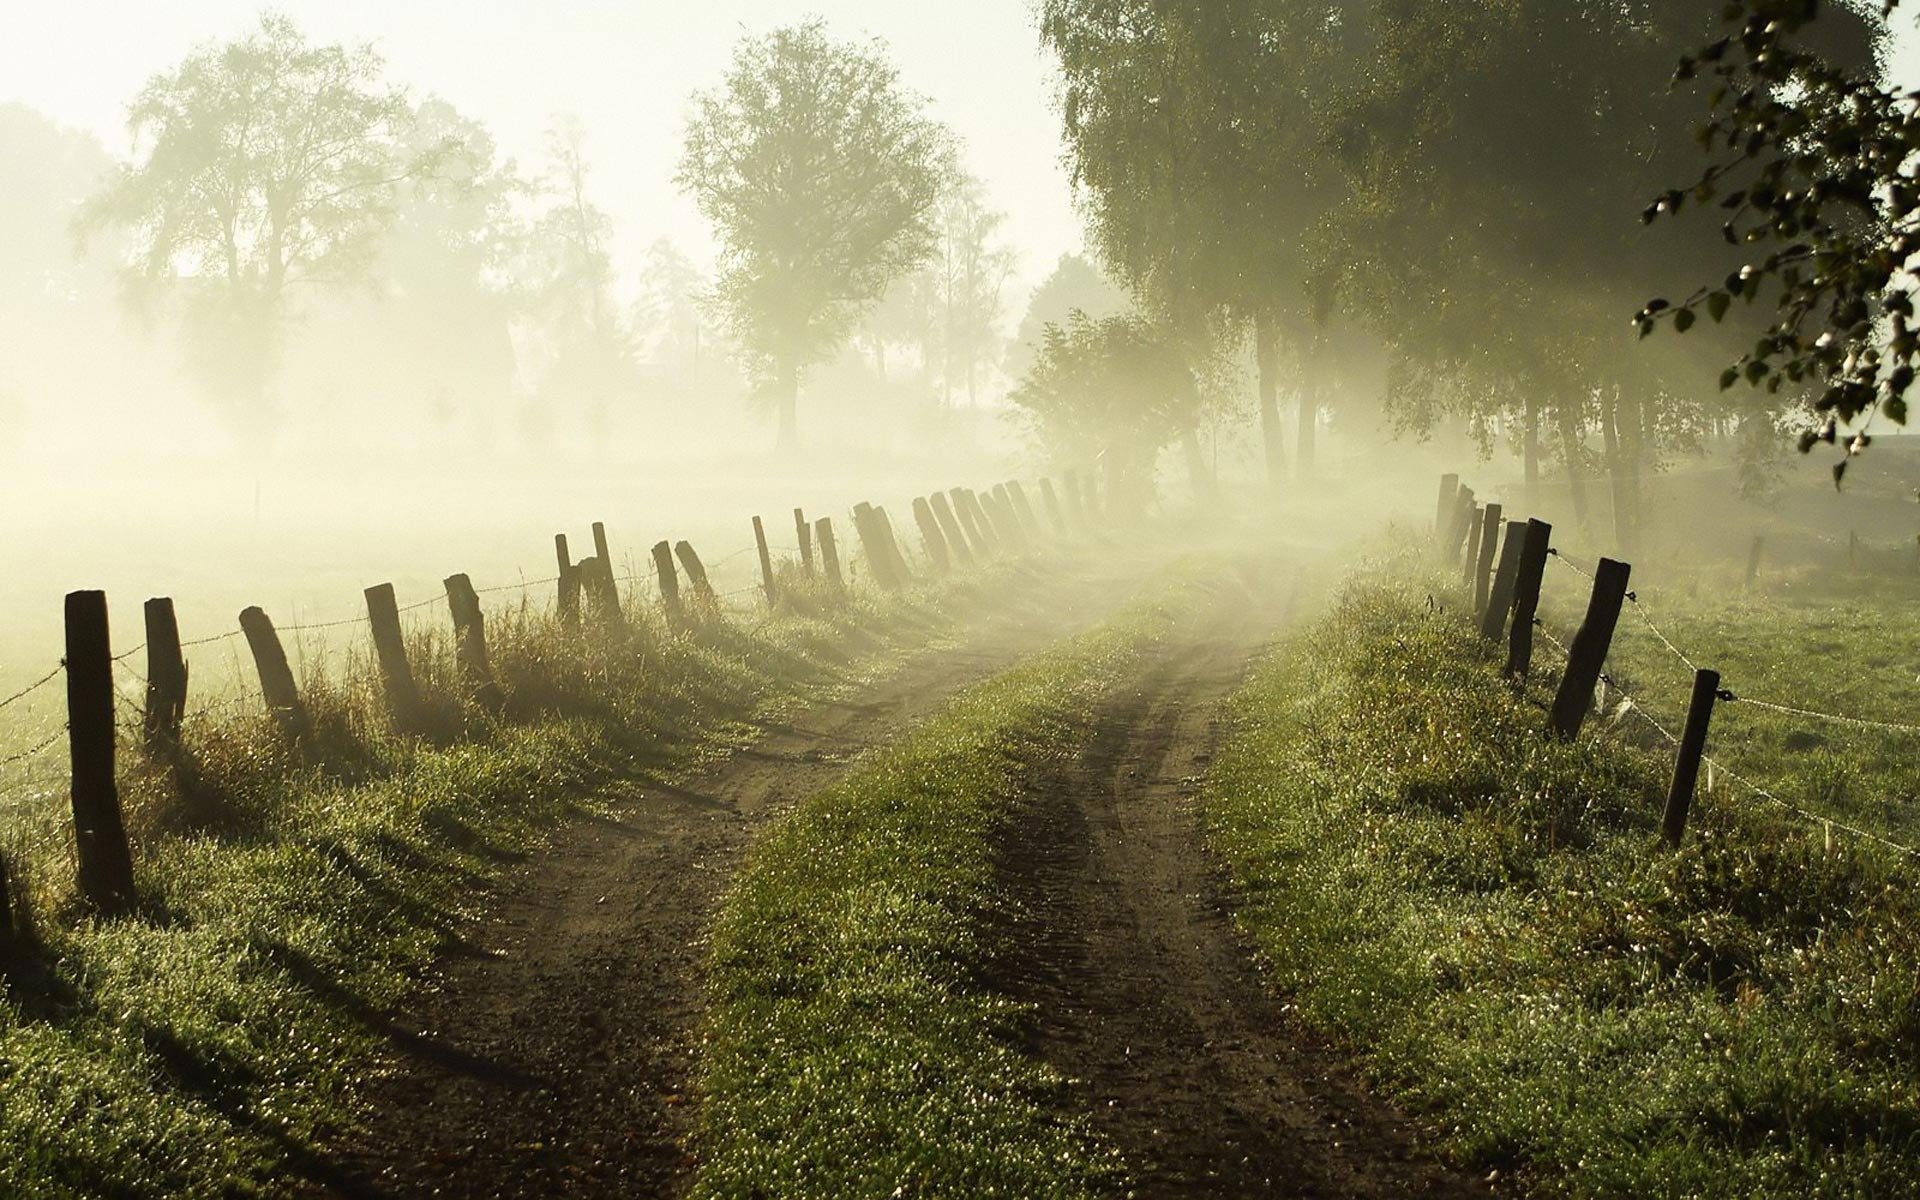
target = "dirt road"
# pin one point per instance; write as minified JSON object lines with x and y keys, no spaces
{"x":555,"y":1059}
{"x":1145,"y":995}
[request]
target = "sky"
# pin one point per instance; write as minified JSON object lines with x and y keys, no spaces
{"x":624,"y":70}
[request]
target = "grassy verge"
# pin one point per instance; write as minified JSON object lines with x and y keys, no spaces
{"x":853,"y":1050}
{"x":289,"y":892}
{"x":1487,"y":915}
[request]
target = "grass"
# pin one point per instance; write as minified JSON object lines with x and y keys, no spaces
{"x":1488,"y":917}
{"x":208,"y":1045}
{"x":853,"y":1048}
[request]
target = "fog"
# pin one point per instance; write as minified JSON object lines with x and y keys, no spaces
{"x":524,"y":326}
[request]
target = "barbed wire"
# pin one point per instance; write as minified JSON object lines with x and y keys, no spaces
{"x":1807,"y":814}
{"x":130,"y":653}
{"x":36,"y":685}
{"x":208,"y":641}
{"x":39,"y":748}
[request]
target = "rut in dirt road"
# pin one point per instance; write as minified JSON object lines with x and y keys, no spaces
{"x":555,"y":1060}
{"x":1146,"y":997}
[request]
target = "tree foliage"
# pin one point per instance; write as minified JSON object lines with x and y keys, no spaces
{"x":1812,"y":167}
{"x":821,"y":175}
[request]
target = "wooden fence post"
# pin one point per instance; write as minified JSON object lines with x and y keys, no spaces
{"x":999,"y":512}
{"x":1753,"y":560}
{"x":1462,"y":521}
{"x":1470,"y":561}
{"x":1693,"y":745}
{"x":390,"y":648}
{"x":604,"y":584}
{"x":1024,"y":510}
{"x":1443,"y":519}
{"x":99,"y":832}
{"x":883,"y":524}
{"x":1483,"y":564}
{"x":569,"y":599}
{"x":936,"y":542}
{"x":470,"y":639}
{"x":975,"y":533}
{"x":766,"y":560}
{"x":696,"y":572}
{"x":829,"y":554}
{"x":1493,"y":618}
{"x":1054,"y":512}
{"x":956,"y":537}
{"x":166,"y":678}
{"x":879,"y":562}
{"x":276,"y":677}
{"x":1526,"y":597}
{"x":669,"y":578}
{"x":1587,"y":655}
{"x":804,"y":533}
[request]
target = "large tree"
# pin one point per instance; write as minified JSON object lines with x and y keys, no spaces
{"x":821,"y":175}
{"x":261,"y":165}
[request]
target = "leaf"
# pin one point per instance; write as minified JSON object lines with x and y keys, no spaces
{"x":1717,"y":305}
{"x":1839,"y":473}
{"x":1683,"y":320}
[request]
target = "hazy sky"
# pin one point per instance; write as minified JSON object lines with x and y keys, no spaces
{"x":624,"y":69}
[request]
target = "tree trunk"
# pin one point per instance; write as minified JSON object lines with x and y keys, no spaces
{"x":1266,"y":342}
{"x":1616,"y":471}
{"x":1530,"y":450}
{"x":1309,"y":412}
{"x":1197,"y":476}
{"x":788,"y":439}
{"x":1571,"y":450}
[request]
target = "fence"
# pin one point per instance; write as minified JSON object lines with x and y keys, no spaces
{"x":957,"y":528}
{"x":1506,"y":594}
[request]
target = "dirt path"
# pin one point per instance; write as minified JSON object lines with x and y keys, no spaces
{"x":1146,"y":996}
{"x":556,"y":1059}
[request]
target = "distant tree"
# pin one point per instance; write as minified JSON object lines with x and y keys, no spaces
{"x":670,"y":320}
{"x":1113,"y":391}
{"x":820,"y":174}
{"x":971,"y":266}
{"x":1074,"y":285}
{"x":262,"y":165}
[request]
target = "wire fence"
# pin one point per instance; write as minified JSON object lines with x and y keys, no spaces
{"x":1630,"y":705}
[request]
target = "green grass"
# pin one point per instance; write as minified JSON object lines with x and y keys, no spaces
{"x":1832,"y":643}
{"x":289,"y":894}
{"x":853,"y":1048}
{"x":1488,"y":917}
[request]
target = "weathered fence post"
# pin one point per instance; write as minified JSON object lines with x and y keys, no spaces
{"x":766,"y":560}
{"x":1470,"y":561}
{"x":1587,"y":655}
{"x":956,"y":537}
{"x":1493,"y":617}
{"x":1753,"y":560}
{"x":696,"y":572}
{"x":569,"y":599}
{"x":936,"y":542}
{"x":975,"y":533}
{"x":1693,"y":745}
{"x":999,"y":512}
{"x":166,"y":678}
{"x":1483,"y":566}
{"x":604,"y":583}
{"x":879,"y":562}
{"x":276,"y":677}
{"x":1024,"y":509}
{"x":99,"y":833}
{"x":1462,"y":521}
{"x":1449,"y":501}
{"x":804,"y":533}
{"x":829,"y":554}
{"x":669,"y":578}
{"x":891,"y":542}
{"x":390,"y":648}
{"x":1054,"y":512}
{"x":470,"y":639}
{"x":1526,"y":597}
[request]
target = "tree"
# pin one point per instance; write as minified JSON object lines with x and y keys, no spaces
{"x":972,"y":268}
{"x":820,"y":174}
{"x":1074,"y":284}
{"x":671,"y":291}
{"x":1113,"y":391}
{"x":1811,"y":160}
{"x":261,"y":166}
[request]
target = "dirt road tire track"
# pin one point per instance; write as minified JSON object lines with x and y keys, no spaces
{"x":555,"y":1060}
{"x":1144,"y":994}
